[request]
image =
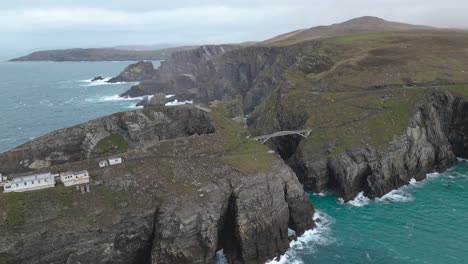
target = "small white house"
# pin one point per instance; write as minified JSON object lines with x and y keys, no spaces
{"x":74,"y":178}
{"x":115,"y":161}
{"x":103,"y":163}
{"x":30,"y":183}
{"x":110,"y":162}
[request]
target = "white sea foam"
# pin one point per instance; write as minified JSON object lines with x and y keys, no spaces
{"x":322,"y":193}
{"x":396,"y":196}
{"x":399,"y":195}
{"x":359,"y":201}
{"x":112,"y":98}
{"x":308,"y":242}
{"x":134,"y":106}
{"x":175,"y":102}
{"x":89,"y":82}
{"x":170,"y":95}
{"x":220,"y":258}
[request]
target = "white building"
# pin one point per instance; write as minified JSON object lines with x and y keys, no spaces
{"x":103,"y":163}
{"x":30,"y":183}
{"x":115,"y":161}
{"x":110,"y":162}
{"x":3,"y":180}
{"x":74,"y":178}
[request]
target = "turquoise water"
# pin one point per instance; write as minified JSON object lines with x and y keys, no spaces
{"x":425,"y":222}
{"x":39,"y":97}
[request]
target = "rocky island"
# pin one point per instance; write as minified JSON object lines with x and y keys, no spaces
{"x":382,"y":102}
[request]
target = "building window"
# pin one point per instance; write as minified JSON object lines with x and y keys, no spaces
{"x":25,"y":183}
{"x":32,"y":182}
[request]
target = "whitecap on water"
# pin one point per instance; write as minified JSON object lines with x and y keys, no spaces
{"x":308,"y":242}
{"x":399,"y":195}
{"x":175,"y":102}
{"x":112,"y":98}
{"x":396,"y":196}
{"x":359,"y":201}
{"x":323,"y":193}
{"x":89,"y":82}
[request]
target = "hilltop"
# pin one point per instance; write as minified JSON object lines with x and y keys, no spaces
{"x":361,"y":25}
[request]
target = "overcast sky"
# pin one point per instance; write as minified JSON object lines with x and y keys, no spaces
{"x":28,"y":25}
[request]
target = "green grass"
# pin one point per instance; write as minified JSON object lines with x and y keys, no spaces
{"x":460,"y":90}
{"x":16,"y":206}
{"x":229,"y":109}
{"x":367,"y":36}
{"x":112,"y":142}
{"x":19,"y":206}
{"x":5,"y":259}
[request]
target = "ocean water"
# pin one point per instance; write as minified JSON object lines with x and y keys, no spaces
{"x":39,"y":97}
{"x":425,"y":222}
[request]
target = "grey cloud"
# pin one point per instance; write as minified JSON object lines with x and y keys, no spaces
{"x":33,"y":24}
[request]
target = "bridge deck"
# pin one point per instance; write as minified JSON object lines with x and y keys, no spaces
{"x":264,"y":138}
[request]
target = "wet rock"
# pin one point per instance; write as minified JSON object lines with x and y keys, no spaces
{"x":97,"y":78}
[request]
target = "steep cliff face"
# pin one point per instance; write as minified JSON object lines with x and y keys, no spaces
{"x":432,"y":141}
{"x":178,"y":200}
{"x":221,"y":73}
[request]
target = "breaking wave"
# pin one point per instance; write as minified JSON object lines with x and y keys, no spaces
{"x":309,"y":241}
{"x":175,"y":102}
{"x":400,"y":195}
{"x":112,"y":98}
{"x":89,"y":82}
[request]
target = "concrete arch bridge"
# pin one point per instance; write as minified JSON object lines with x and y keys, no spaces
{"x":264,"y":138}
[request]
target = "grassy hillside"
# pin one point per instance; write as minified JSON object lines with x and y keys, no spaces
{"x":362,"y":89}
{"x":359,"y":25}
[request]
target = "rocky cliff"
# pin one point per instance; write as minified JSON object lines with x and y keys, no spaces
{"x":105,"y":136}
{"x":433,"y":139}
{"x":142,"y":70}
{"x":177,"y":198}
{"x":221,"y":73}
{"x":359,"y":95}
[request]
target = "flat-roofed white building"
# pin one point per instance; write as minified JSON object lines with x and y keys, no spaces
{"x":115,"y":161}
{"x":74,"y":178}
{"x":30,"y":183}
{"x":110,"y":162}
